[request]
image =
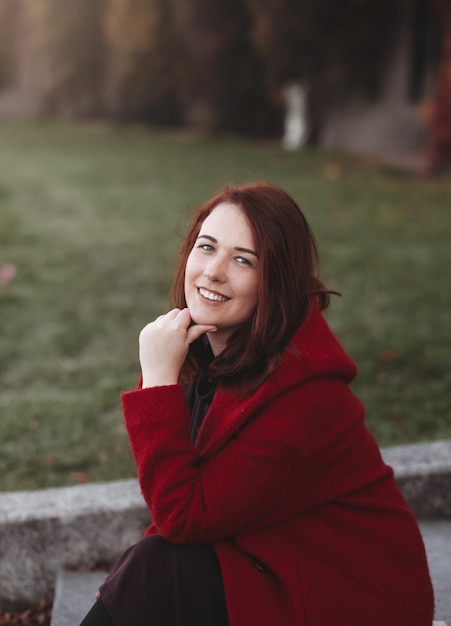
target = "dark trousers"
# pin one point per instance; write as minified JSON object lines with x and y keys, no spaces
{"x":157,"y":583}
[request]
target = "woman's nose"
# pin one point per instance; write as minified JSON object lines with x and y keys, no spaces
{"x":215,"y":270}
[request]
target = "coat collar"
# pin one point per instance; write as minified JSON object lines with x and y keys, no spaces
{"x":313,"y":352}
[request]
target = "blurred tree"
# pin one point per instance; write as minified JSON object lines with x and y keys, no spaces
{"x":335,"y":48}
{"x":9,"y":11}
{"x":439,"y":145}
{"x":146,"y":64}
{"x":219,"y":63}
{"x":226,"y":87}
{"x":72,"y":46}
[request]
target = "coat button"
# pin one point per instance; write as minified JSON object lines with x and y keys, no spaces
{"x":260,"y":566}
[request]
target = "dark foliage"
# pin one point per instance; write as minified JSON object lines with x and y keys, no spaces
{"x":228,"y":81}
{"x":9,"y":12}
{"x":218,"y":64}
{"x":73,"y":50}
{"x":146,"y":73}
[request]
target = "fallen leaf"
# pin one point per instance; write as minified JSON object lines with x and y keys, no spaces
{"x":333,"y":171}
{"x":79,"y":477}
{"x":388,"y":355}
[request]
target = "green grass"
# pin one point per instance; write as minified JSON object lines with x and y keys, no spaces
{"x":90,"y":215}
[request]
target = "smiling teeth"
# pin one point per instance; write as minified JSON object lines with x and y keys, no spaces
{"x":212,"y":296}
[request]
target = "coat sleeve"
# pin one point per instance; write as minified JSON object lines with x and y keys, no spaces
{"x":273,"y":468}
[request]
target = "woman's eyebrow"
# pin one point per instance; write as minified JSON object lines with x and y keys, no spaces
{"x":208,"y":237}
{"x":237,"y":248}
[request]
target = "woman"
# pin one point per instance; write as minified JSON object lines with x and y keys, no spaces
{"x":271,"y":504}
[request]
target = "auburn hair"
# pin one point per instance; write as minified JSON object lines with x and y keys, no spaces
{"x":288,"y":277}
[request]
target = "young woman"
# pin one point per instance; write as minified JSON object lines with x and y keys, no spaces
{"x":271,"y":504}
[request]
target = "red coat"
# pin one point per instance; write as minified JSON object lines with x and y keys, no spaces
{"x":289,"y":486}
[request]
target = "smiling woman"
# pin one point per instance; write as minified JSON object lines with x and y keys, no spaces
{"x":221,"y":279}
{"x":270,"y":501}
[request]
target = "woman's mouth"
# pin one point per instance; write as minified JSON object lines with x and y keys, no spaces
{"x":212,"y":295}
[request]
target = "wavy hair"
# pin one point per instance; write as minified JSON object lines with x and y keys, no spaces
{"x":288,"y":277}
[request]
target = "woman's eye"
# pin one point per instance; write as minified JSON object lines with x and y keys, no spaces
{"x":243,"y":260}
{"x":206,"y":246}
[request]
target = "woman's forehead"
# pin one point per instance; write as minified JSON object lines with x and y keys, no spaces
{"x":227,"y":222}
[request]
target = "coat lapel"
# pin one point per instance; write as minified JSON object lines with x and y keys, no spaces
{"x":230,"y":409}
{"x":227,"y":413}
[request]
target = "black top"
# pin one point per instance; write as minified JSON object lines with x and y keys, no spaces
{"x":199,"y":395}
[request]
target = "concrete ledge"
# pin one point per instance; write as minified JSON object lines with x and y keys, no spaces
{"x":423,"y":473}
{"x":42,"y":532}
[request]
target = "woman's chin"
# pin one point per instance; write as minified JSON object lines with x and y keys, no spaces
{"x":198,"y":317}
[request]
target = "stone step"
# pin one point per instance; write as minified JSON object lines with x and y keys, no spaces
{"x":74,"y":596}
{"x":75,"y":591}
{"x":437,"y":539}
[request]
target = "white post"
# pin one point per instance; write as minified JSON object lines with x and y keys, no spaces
{"x":296,"y":124}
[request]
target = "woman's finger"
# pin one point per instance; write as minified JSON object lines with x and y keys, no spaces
{"x":194,"y":332}
{"x":172,"y":314}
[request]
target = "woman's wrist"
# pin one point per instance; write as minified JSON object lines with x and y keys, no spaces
{"x":158,"y":379}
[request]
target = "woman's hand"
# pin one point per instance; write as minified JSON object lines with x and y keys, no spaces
{"x":164,"y":344}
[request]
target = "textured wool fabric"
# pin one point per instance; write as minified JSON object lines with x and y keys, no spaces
{"x":289,"y":487}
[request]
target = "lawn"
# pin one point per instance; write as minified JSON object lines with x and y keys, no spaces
{"x":91,"y":216}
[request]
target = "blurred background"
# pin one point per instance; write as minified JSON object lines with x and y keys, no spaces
{"x":117,"y":116}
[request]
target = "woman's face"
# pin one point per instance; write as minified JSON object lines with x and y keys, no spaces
{"x":221,"y":278}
